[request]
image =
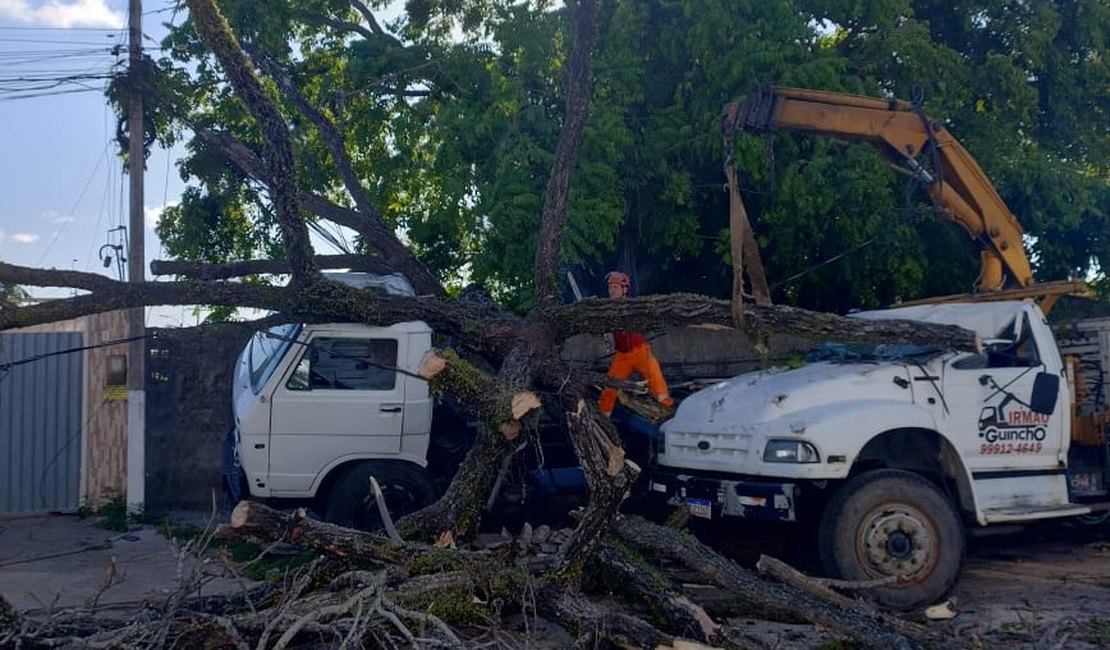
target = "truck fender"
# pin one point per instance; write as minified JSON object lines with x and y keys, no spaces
{"x":923,"y":451}
{"x":335,"y":467}
{"x":844,"y":429}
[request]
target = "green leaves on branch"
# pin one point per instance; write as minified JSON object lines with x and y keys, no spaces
{"x":451,"y":122}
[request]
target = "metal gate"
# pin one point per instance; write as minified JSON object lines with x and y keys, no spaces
{"x":40,"y":421}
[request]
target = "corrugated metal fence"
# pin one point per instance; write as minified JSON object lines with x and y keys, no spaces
{"x":40,"y":422}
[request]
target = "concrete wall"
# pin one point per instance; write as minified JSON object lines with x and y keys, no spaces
{"x":188,"y":413}
{"x":692,"y":353}
{"x":188,"y":397}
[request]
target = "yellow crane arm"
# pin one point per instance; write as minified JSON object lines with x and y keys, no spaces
{"x":959,"y":187}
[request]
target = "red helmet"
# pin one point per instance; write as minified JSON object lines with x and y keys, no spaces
{"x":616,"y":278}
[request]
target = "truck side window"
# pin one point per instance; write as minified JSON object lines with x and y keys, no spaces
{"x":1022,"y":353}
{"x":346,"y":364}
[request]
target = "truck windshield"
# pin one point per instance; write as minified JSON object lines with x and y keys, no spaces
{"x":859,"y":353}
{"x":266,"y":350}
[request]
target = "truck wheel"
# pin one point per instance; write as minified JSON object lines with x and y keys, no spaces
{"x":405,"y":486}
{"x":892,"y":522}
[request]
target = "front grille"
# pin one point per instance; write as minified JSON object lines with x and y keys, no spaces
{"x":733,"y":446}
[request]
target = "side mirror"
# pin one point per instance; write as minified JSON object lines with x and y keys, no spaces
{"x":1046,"y":390}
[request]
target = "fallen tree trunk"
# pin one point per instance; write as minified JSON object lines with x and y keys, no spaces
{"x":787,"y":600}
{"x":650,"y":313}
{"x":776,"y":600}
{"x":455,"y":568}
{"x":787,"y":574}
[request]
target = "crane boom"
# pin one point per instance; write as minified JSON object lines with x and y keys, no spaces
{"x":957,"y":185}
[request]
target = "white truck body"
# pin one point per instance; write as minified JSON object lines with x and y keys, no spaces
{"x":320,"y":408}
{"x":979,"y":437}
{"x":1013,"y":462}
{"x":294,"y":427}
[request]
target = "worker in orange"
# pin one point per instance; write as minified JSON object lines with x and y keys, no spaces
{"x":633,"y":355}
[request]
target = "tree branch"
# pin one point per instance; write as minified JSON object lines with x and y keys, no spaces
{"x":344,"y":26}
{"x":373,"y":232}
{"x":205,"y":271}
{"x":277,"y":148}
{"x":13,"y":274}
{"x":391,"y":249}
{"x":654,"y":313}
{"x":321,"y":301}
{"x":566,"y":153}
{"x":370,"y":19}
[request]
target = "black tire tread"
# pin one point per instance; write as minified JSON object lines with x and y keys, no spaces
{"x":904,"y":597}
{"x":351,"y":487}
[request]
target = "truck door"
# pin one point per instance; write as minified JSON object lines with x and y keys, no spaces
{"x":341,"y":398}
{"x":987,"y":399}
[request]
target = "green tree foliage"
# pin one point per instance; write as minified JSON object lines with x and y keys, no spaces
{"x":452,"y":126}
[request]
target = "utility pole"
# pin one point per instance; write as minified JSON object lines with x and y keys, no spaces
{"x":136,"y":261}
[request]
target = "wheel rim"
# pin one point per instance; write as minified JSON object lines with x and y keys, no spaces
{"x":897,"y":540}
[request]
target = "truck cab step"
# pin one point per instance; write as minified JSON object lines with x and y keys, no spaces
{"x":1025,"y":513}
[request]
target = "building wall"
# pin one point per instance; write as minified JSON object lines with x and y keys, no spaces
{"x":104,"y":439}
{"x":106,"y":442}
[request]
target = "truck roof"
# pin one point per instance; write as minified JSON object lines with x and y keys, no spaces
{"x":987,"y":319}
{"x":394,"y":283}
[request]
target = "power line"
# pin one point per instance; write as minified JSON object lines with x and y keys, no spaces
{"x":76,"y":203}
{"x":48,"y":93}
{"x":59,"y":29}
{"x":4,"y":367}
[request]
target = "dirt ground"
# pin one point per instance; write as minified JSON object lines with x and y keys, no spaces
{"x":1040,"y":587}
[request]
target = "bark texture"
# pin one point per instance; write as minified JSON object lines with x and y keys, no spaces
{"x":277,"y":148}
{"x":554,"y":216}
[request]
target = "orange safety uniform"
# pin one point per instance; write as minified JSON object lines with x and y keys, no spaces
{"x":634,"y":355}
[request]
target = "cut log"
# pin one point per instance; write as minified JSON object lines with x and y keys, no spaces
{"x":787,"y":574}
{"x":253,"y":520}
{"x":654,"y":592}
{"x":779,"y":601}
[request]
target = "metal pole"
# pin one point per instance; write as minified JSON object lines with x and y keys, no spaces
{"x":136,"y":373}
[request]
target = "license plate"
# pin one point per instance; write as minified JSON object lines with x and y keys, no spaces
{"x":700,"y":508}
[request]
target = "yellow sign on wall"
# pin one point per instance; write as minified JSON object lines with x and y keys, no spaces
{"x":115,"y":393}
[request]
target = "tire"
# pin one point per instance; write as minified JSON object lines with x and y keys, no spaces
{"x":1094,"y":519}
{"x":405,"y":486}
{"x":893,"y":522}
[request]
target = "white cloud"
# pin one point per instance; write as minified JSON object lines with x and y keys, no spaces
{"x":153,"y":214}
{"x":25,"y":238}
{"x":3,"y":235}
{"x":62,"y":220}
{"x":62,"y":13}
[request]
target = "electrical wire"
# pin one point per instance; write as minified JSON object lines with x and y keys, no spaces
{"x":59,"y":29}
{"x":6,"y":367}
{"x":76,"y":203}
{"x":69,"y":441}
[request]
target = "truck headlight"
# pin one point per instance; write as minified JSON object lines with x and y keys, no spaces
{"x":790,"y":451}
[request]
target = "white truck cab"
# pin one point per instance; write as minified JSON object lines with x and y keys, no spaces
{"x":889,"y":448}
{"x":309,"y":398}
{"x":319,"y":408}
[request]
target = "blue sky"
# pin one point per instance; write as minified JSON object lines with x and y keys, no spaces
{"x":63,"y":184}
{"x":63,"y":187}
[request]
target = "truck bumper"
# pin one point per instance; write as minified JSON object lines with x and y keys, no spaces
{"x":712,"y":497}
